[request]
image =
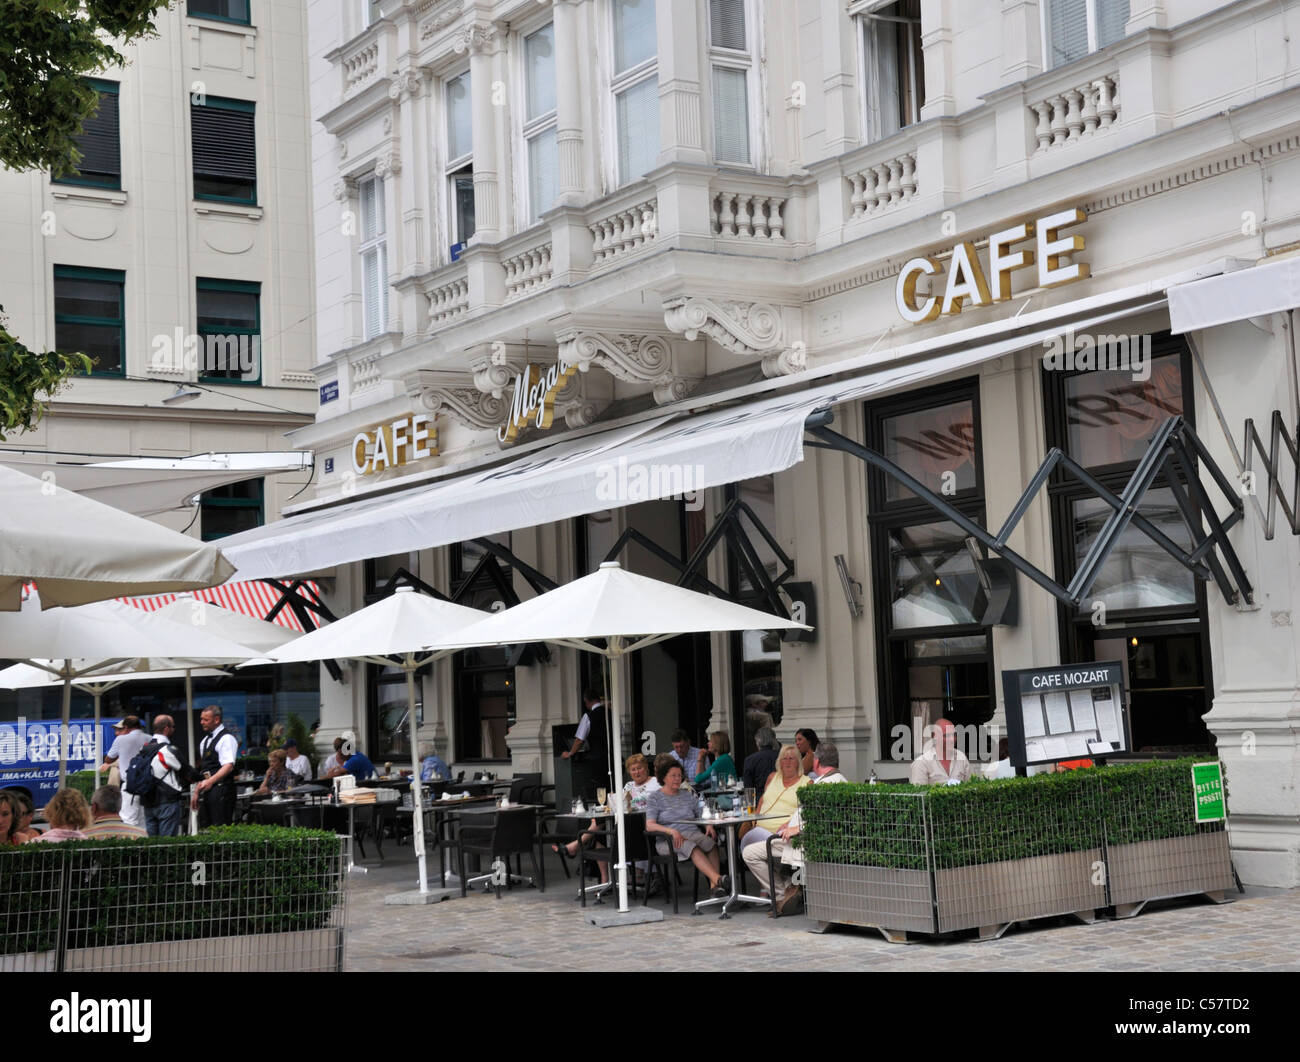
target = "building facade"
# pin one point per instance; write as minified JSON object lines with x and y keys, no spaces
{"x":178,"y":257}
{"x":593,"y":223}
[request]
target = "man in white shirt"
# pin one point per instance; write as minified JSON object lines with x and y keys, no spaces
{"x":297,"y":762}
{"x":941,"y":762}
{"x":130,"y":739}
{"x":786,"y":896}
{"x":214,"y":796}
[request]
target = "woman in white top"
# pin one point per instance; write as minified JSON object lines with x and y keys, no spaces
{"x":642,"y":783}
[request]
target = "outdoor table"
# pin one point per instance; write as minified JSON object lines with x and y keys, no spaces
{"x":730,"y":822}
{"x":488,"y":806}
{"x":442,"y":810}
{"x":580,"y":824}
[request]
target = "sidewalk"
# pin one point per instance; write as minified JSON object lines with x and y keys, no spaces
{"x":530,"y":930}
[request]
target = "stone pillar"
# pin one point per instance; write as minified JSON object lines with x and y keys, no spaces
{"x":408,"y":90}
{"x":1146,"y":14}
{"x":841,"y":89}
{"x":1022,"y":40}
{"x":936,"y":44}
{"x":681,"y":115}
{"x":570,"y":187}
{"x":483,"y":40}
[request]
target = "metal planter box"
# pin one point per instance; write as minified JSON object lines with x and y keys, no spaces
{"x":996,"y":894}
{"x":305,"y":950}
{"x":893,"y":900}
{"x":1171,"y":866}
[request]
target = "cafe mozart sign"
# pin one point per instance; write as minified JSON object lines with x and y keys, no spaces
{"x":409,"y":438}
{"x":534,"y":398}
{"x":968,"y":283}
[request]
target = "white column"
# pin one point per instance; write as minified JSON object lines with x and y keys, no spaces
{"x":1145,"y":14}
{"x":483,"y":40}
{"x":937,"y":33}
{"x":681,"y":109}
{"x":1022,"y":40}
{"x":568,"y":105}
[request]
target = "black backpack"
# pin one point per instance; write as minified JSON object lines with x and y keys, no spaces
{"x":139,"y":779}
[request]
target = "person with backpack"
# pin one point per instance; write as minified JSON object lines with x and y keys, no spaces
{"x":156,"y":778}
{"x":129,"y":739}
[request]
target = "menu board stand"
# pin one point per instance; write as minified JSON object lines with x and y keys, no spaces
{"x":1075,"y":712}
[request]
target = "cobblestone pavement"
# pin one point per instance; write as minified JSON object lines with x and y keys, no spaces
{"x":530,"y":930}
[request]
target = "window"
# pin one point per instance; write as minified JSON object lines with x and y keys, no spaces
{"x":460,"y":164}
{"x":225,"y":155}
{"x":1073,"y":28}
{"x":539,"y":120}
{"x":99,"y":143}
{"x":636,"y":88}
{"x":893,"y":68}
{"x":484,"y":678}
{"x":936,"y":660}
{"x":1145,"y":608}
{"x":230,"y":330}
{"x":90,"y":316}
{"x":730,"y":58}
{"x":223,"y":10}
{"x":230,"y":509}
{"x":374,"y":259}
{"x":388,"y":725}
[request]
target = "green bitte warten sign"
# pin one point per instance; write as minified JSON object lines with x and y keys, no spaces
{"x":1207,"y":782}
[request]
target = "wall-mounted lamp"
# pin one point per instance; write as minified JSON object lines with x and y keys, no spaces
{"x":851,"y":586}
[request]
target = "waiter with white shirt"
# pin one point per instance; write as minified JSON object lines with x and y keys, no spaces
{"x":214,"y":795}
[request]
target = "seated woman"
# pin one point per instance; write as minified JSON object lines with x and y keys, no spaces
{"x":11,"y":813}
{"x":805,"y":743}
{"x":278,"y":776}
{"x":68,"y":815}
{"x":780,"y":797}
{"x":668,"y":811}
{"x":26,"y":831}
{"x":641,"y":783}
{"x":723,"y":765}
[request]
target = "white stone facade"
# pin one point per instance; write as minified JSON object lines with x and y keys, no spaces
{"x":1180,"y":141}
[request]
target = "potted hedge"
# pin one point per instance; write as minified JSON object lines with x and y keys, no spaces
{"x":232,"y":898}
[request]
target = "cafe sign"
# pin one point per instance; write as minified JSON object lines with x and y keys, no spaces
{"x":534,"y":398}
{"x":409,"y":438}
{"x":968,"y":284}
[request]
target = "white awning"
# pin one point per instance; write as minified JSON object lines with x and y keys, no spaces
{"x":652,"y":459}
{"x":1272,"y":287}
{"x":147,"y":486}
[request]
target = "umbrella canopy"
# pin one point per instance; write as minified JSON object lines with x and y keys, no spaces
{"x":26,"y":676}
{"x":629,"y":612}
{"x":227,"y":623}
{"x":399,"y":625}
{"x":78,"y":550}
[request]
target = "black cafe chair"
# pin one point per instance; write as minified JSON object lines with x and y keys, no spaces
{"x":638,"y":846}
{"x":664,"y":866}
{"x":511,"y":832}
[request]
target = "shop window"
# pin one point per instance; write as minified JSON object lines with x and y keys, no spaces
{"x":484,"y":678}
{"x":635,"y":88}
{"x":225,"y":150}
{"x":99,"y":143}
{"x":90,"y":316}
{"x":936,"y":659}
{"x":230,"y":330}
{"x":893,"y":66}
{"x":1075,"y":28}
{"x":539,"y":131}
{"x":230,"y":509}
{"x":1144,"y":608}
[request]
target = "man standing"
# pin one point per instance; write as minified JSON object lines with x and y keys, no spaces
{"x":299,"y":764}
{"x":941,"y":762}
{"x":786,"y":898}
{"x":130,"y":739}
{"x":214,"y":796}
{"x":760,"y":765}
{"x":593,"y":735}
{"x":162,"y":814}
{"x":104,"y":807}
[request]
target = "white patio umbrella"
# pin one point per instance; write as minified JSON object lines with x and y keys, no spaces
{"x":629,"y":612}
{"x":402,"y":624}
{"x":92,"y":639}
{"x":78,"y":550}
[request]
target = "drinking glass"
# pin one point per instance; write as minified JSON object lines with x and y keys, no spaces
{"x":600,"y":796}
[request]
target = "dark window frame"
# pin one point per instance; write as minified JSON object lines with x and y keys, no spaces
{"x":242,"y":287}
{"x":469,"y":665}
{"x":234,"y":106}
{"x":103,"y":276}
{"x":247,"y":20}
{"x":249,"y":504}
{"x":111,"y":182}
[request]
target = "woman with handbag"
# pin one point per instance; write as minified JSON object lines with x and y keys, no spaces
{"x":780,"y":797}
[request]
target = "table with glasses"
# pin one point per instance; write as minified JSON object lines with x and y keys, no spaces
{"x":730,"y":822}
{"x":450,"y":812}
{"x":576,"y":823}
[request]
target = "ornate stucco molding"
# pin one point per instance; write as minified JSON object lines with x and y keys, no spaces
{"x":495,"y":370}
{"x":626,"y":356}
{"x":444,"y":18}
{"x":388,"y":163}
{"x":476,"y":37}
{"x":468,"y":405}
{"x":408,"y":82}
{"x":343,"y":188}
{"x":751,"y":328}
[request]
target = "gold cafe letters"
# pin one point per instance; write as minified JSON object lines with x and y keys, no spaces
{"x":409,"y":438}
{"x":968,"y":284}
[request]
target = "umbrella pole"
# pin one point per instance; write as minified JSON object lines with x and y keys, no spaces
{"x":98,"y":691}
{"x":417,"y":787}
{"x":67,"y":722}
{"x":615,"y":654}
{"x":189,"y":736}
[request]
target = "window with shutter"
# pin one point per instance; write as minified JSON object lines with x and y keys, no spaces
{"x":90,"y":316}
{"x":731,"y":59}
{"x":727,"y":24}
{"x":635,"y":87}
{"x":539,"y":128}
{"x":224,"y":146}
{"x":374,"y":264}
{"x":1111,"y":16}
{"x":99,"y":143}
{"x":229,"y":321}
{"x":1075,"y":28}
{"x":220,"y":10}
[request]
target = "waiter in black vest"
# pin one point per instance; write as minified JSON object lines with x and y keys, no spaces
{"x":214,"y":794}
{"x":591,"y":745}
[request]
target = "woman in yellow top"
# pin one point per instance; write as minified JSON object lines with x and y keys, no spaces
{"x":780,"y":797}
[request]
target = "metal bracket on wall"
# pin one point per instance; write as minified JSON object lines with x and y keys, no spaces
{"x":1174,"y":450}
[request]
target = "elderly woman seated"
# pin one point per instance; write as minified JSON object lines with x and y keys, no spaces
{"x":780,"y":797}
{"x":68,"y":815}
{"x":278,"y":776}
{"x":668,"y":811}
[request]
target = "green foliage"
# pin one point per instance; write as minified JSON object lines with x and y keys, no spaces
{"x":228,"y":881}
{"x":85,"y":783}
{"x":47,"y":50}
{"x":998,"y":821}
{"x":29,"y":380}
